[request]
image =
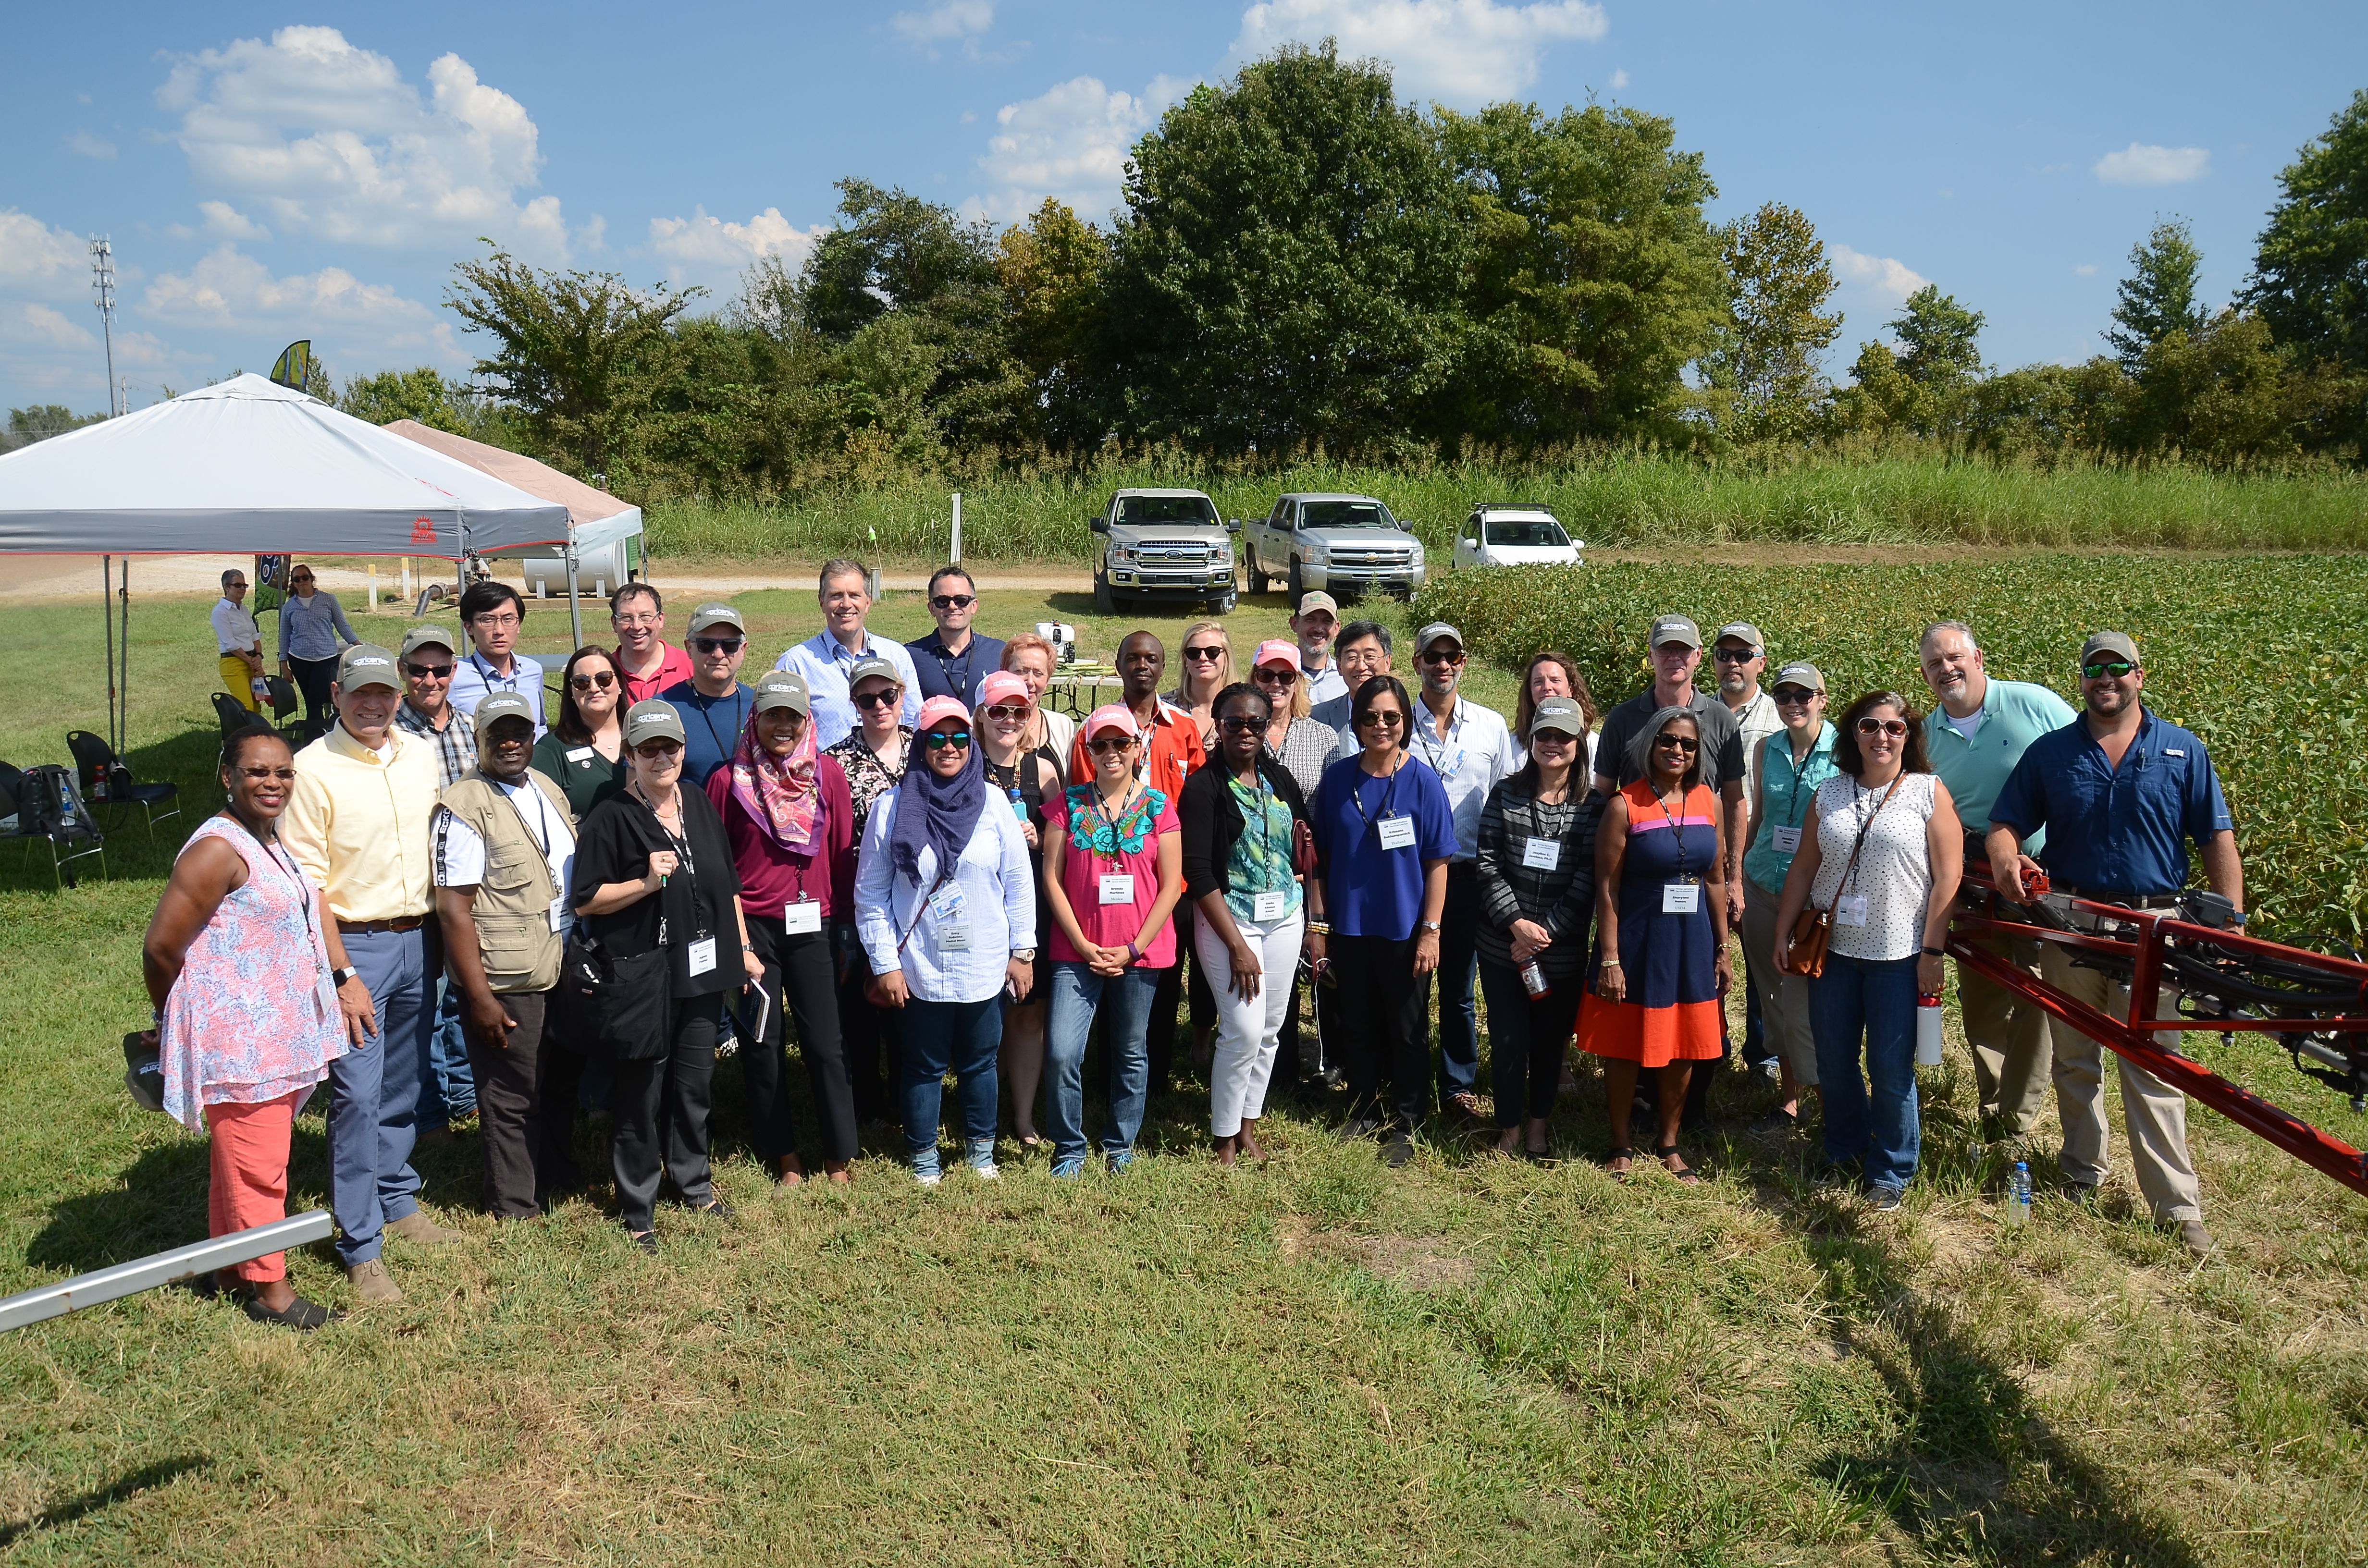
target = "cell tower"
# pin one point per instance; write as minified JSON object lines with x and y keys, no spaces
{"x":102,"y":283}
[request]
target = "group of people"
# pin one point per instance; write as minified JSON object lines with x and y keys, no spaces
{"x":902,"y":848}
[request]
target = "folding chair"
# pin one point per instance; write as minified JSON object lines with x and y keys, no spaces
{"x":236,"y":715}
{"x":49,"y":808}
{"x":105,"y":780}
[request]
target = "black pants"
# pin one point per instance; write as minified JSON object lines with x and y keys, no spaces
{"x":312,"y":678}
{"x":662,"y":1104}
{"x":1384,"y":1027}
{"x":558,"y":1080}
{"x":801,"y":965}
{"x":868,"y":1041}
{"x":1525,"y":1039}
{"x":510,"y":1106}
{"x":1176,"y":988}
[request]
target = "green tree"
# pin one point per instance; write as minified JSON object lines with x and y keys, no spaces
{"x":2310,"y":276}
{"x":1052,"y":270}
{"x":1287,"y":269}
{"x":45,"y":420}
{"x":424,"y":394}
{"x":1937,"y":336}
{"x":2219,"y":393}
{"x":2158,"y":297}
{"x":1766,"y":366}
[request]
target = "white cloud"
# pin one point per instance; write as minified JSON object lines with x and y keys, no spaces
{"x":1878,"y":278}
{"x":955,"y":19}
{"x":37,"y":259}
{"x":223,"y":222}
{"x":230,"y":288}
{"x":330,"y":141}
{"x":2086,"y":270}
{"x":707,"y":250}
{"x":90,"y":146}
{"x":1462,"y":51}
{"x":2139,"y":163}
{"x":1071,"y":143}
{"x":1619,"y":79}
{"x":41,"y":325}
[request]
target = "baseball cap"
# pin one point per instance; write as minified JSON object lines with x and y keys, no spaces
{"x":2114,"y":643}
{"x":1277,"y":650}
{"x":1799,"y":673}
{"x":781,"y":688}
{"x":1559,"y":714}
{"x":366,"y":663}
{"x":1002,"y":687}
{"x":501,"y":705}
{"x":866,"y":668}
{"x":1113,"y":716}
{"x":1744,"y":630}
{"x":1433,"y":632}
{"x":650,"y":719}
{"x":1310,"y":603}
{"x":938,"y":707}
{"x":717,"y":614}
{"x":1669,"y":628}
{"x":427,"y":634}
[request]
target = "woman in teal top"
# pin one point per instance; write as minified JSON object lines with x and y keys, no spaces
{"x":1790,"y":766}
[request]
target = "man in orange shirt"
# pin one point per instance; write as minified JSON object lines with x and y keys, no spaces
{"x":648,"y":661}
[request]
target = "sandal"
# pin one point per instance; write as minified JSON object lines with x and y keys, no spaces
{"x":1688,"y":1177}
{"x":1620,"y":1152}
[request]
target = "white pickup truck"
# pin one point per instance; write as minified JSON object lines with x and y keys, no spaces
{"x":1345,"y":545}
{"x":1163,"y":546}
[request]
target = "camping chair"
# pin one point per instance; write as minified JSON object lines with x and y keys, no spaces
{"x":49,"y":808}
{"x":236,"y":716}
{"x":107,"y":783}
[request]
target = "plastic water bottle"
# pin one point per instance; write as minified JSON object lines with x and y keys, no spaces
{"x":1927,"y":1030}
{"x":1533,"y":981}
{"x":2018,"y":1195}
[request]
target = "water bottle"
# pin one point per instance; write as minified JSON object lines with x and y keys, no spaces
{"x":1927,"y":1030}
{"x":262,"y":690}
{"x":1533,"y":981}
{"x":2018,"y":1195}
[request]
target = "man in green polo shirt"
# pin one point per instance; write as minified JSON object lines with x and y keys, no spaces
{"x":1976,"y":731}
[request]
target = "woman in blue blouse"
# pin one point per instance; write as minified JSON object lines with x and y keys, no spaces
{"x":313,"y":634}
{"x":1383,"y":835}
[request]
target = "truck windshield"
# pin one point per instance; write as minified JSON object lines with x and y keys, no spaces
{"x":1511,"y":532}
{"x":1345,"y":515}
{"x":1193,"y":509}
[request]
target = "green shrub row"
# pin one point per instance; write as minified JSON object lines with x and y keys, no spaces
{"x":2261,"y":656}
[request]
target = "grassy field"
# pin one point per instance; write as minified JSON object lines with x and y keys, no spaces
{"x":1473,"y":1360}
{"x":1617,"y":499}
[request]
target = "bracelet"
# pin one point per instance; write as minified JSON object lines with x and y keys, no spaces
{"x":1610,"y":963}
{"x":1321,"y":927}
{"x":1936,"y":952}
{"x":1133,"y":953}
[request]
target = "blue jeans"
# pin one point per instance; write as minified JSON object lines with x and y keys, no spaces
{"x":1125,"y":1006}
{"x":375,"y":1094}
{"x":451,"y":1086}
{"x":941,"y":1037}
{"x":1874,"y":1002}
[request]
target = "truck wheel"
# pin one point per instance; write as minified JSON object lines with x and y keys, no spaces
{"x":1297,"y":585}
{"x":1258,"y":580}
{"x":1103,"y":603}
{"x":1223,"y":604}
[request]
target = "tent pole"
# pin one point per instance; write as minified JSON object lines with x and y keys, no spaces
{"x":106,"y":616}
{"x":575,"y":607}
{"x":123,"y":713}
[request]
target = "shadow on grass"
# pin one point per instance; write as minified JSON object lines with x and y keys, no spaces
{"x":122,"y":1489}
{"x":156,"y":1203}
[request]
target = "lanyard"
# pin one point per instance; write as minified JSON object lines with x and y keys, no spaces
{"x":681,"y":846}
{"x":1798,"y":802}
{"x":706,"y":706}
{"x":485,"y":672}
{"x":1265,"y":814}
{"x":970,"y":651}
{"x":287,"y":867}
{"x":1677,"y":830}
{"x":1389,"y":793}
{"x":1431,"y":753}
{"x":1101,"y":809}
{"x":541,"y":827}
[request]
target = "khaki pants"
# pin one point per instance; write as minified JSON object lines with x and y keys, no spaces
{"x":2153,"y":1113}
{"x":1784,"y":998}
{"x":2009,"y":1034}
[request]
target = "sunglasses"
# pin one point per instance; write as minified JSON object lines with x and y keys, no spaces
{"x":1277,"y":674}
{"x":953,"y":601}
{"x":875,"y":698}
{"x":1241,"y":724}
{"x":1102,"y":745}
{"x":1677,"y":743}
{"x":1383,"y":720}
{"x":426,"y":672}
{"x":658,"y":751}
{"x":1895,"y":728}
{"x":1734,"y":656}
{"x":604,"y":680}
{"x":1430,"y":657}
{"x":302,"y":577}
{"x":716,"y":644}
{"x":1203,"y":652}
{"x":2113,"y":670}
{"x":1009,"y":712}
{"x":1792,"y":694}
{"x":943,"y":740}
{"x":263,"y":775}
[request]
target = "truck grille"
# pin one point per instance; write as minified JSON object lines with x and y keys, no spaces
{"x":1173,"y":556}
{"x":1371,"y":555}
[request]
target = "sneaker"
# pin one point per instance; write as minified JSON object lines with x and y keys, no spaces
{"x":1121,"y":1161}
{"x":1068,"y":1167}
{"x":1831,"y":1177}
{"x":1886,"y":1198}
{"x":714,"y":1208}
{"x":1397,"y":1151}
{"x":422,"y":1232}
{"x":372,"y":1283}
{"x":929,"y":1178}
{"x":988,"y":1172}
{"x":301,"y":1315}
{"x":2199,"y":1240}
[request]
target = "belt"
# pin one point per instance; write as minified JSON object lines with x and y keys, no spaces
{"x":2126,"y":899}
{"x":380,"y":927}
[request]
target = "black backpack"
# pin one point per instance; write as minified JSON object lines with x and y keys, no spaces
{"x":51,"y":807}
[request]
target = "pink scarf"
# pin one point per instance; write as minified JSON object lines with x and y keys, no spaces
{"x":778,"y":793}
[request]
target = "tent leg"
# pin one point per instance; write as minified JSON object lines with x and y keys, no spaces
{"x":574,"y":603}
{"x":106,"y":618}
{"x":123,"y":709}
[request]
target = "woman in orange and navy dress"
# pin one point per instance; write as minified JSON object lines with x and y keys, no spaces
{"x":1661,"y":963}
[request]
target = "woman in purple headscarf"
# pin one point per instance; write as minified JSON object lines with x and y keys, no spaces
{"x":944,"y":905}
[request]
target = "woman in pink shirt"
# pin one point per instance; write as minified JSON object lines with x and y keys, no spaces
{"x":1113,"y":870}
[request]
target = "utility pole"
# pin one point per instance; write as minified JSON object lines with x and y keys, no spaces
{"x":102,"y":275}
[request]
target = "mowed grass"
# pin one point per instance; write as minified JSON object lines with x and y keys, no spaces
{"x":1473,"y":1360}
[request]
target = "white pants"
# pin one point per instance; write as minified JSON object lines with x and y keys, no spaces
{"x":1247,"y":1031}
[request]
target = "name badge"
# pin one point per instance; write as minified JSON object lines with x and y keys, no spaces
{"x":947,"y":904}
{"x":1268,"y":906}
{"x":1118,"y":887}
{"x":701,"y":954}
{"x":1542,"y":854}
{"x":559,"y":913}
{"x":1680,"y":898}
{"x":580,"y":753}
{"x":954,"y":938}
{"x":1851,"y":909}
{"x":803,"y":917}
{"x":1397,"y":833}
{"x":1786,"y":839}
{"x":325,"y":992}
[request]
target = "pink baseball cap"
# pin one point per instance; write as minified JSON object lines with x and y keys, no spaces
{"x":938,"y":707}
{"x":1002,"y":687}
{"x":1277,"y":650}
{"x":1113,"y":716}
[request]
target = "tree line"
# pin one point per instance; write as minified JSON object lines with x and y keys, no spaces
{"x":1305,"y":263}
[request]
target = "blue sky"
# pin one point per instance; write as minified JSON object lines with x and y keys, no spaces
{"x":268,"y":174}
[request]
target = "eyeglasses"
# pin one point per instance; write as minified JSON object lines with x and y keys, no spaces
{"x":1241,"y":723}
{"x":1381,"y":721}
{"x":942,"y":740}
{"x":646,"y":618}
{"x":1734,"y":656}
{"x":716,"y":644}
{"x":1102,"y":745}
{"x":1431,"y":656}
{"x":604,"y":680}
{"x":1204,"y":652}
{"x":1871,"y":725}
{"x":658,"y":751}
{"x":953,"y":601}
{"x":875,"y":698}
{"x":1277,"y":674}
{"x":300,"y":577}
{"x":1677,"y":743}
{"x":1792,"y":694}
{"x":260,"y":774}
{"x":1009,"y":712}
{"x":426,"y":672}
{"x":494,"y":621}
{"x":2114,"y":670}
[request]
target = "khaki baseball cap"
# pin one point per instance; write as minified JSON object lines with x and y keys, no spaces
{"x":1670,"y":628}
{"x":781,"y":688}
{"x":1744,"y":631}
{"x":501,"y":705}
{"x":1800,"y":673}
{"x":2114,"y":643}
{"x":1310,"y":603}
{"x":427,"y":634}
{"x":1559,"y":714}
{"x":367,"y":663}
{"x":717,"y":614}
{"x":650,"y":720}
{"x":866,"y":668}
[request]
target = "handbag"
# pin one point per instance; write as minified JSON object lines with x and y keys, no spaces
{"x":1812,"y":928}
{"x":615,"y":1007}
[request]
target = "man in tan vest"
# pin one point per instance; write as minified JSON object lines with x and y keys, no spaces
{"x":504,"y":845}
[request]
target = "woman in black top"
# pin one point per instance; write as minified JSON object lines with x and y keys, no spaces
{"x":584,"y":754}
{"x":1022,"y":779}
{"x":653,"y":871}
{"x":1537,"y":896}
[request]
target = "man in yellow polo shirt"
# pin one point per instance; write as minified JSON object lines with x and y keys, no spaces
{"x":356,"y":823}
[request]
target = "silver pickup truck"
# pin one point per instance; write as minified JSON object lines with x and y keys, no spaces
{"x":1163,"y":546}
{"x":1345,"y":545}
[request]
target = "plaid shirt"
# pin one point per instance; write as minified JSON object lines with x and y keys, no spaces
{"x":456,"y":742}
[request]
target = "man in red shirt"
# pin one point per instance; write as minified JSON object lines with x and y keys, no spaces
{"x":1175,"y":749}
{"x":644,"y":658}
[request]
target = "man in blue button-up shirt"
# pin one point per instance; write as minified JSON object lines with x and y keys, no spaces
{"x":2120,"y":794}
{"x":825,"y":658}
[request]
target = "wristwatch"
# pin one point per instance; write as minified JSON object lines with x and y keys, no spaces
{"x":341,"y":975}
{"x":1025,"y":955}
{"x":1431,"y":926}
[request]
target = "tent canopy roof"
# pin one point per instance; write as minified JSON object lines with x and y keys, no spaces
{"x":584,"y":503}
{"x":250,"y":468}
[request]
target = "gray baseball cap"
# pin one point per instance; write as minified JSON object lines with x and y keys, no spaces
{"x":1744,"y":631}
{"x":427,"y":634}
{"x":1670,"y":628}
{"x":781,"y":688}
{"x":2114,"y":643}
{"x":1559,"y":714}
{"x":650,"y":720}
{"x":367,"y":663}
{"x":501,"y":705}
{"x":718,"y":614}
{"x":1433,"y":632}
{"x":866,"y":668}
{"x":1799,"y":673}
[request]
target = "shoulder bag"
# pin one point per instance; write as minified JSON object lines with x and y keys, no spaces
{"x":1812,"y":928}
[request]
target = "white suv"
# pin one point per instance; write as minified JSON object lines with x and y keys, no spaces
{"x":1497,"y":535}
